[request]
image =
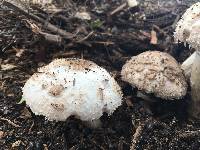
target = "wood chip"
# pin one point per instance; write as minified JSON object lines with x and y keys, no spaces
{"x":16,"y":144}
{"x":154,"y":39}
{"x":136,"y":137}
{"x":2,"y":134}
{"x":45,"y":146}
{"x":5,"y":67}
{"x":83,"y":15}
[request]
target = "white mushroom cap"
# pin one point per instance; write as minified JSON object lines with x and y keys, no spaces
{"x":155,"y":72}
{"x":188,"y":27}
{"x":68,"y":87}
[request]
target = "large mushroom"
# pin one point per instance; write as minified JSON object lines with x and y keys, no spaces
{"x":69,"y":87}
{"x":187,"y":31}
{"x":154,"y":72}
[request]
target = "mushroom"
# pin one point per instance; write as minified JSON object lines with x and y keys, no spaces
{"x":72,"y":87}
{"x":187,"y":31}
{"x":154,"y":72}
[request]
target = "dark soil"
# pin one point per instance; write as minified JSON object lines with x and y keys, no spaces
{"x":114,"y":40}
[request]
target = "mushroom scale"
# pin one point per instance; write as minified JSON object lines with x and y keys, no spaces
{"x":155,"y":72}
{"x":69,"y":87}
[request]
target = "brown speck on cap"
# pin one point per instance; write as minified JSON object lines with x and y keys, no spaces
{"x":58,"y":107}
{"x":100,"y":93}
{"x":161,"y":75}
{"x":56,"y":90}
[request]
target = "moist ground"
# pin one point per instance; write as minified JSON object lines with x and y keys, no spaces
{"x":108,"y":40}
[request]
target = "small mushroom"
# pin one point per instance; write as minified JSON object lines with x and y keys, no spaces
{"x":155,"y":72}
{"x":72,"y":87}
{"x":187,"y":31}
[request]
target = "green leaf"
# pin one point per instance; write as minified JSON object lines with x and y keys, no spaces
{"x":96,"y":24}
{"x":21,"y":101}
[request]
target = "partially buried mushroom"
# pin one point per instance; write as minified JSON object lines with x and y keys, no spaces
{"x":155,"y":72}
{"x":187,"y":31}
{"x":69,"y":87}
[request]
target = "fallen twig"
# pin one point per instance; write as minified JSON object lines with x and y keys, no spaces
{"x":189,"y":134}
{"x":52,"y":38}
{"x":30,"y":129}
{"x":10,"y":122}
{"x":85,"y":38}
{"x":47,"y":36}
{"x":136,"y":137}
{"x":118,"y":9}
{"x":18,"y":7}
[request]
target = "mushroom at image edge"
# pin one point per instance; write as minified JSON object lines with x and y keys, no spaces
{"x":155,"y":72}
{"x":187,"y":31}
{"x":69,"y":87}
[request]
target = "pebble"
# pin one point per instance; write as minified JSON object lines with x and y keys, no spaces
{"x":38,"y":145}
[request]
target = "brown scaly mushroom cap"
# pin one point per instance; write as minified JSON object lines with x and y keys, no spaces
{"x":155,"y":72}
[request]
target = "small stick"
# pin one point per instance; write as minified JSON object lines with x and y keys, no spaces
{"x":10,"y":122}
{"x":51,"y":37}
{"x":30,"y":129}
{"x":189,"y":134}
{"x":154,"y":39}
{"x":18,"y":6}
{"x":118,"y":9}
{"x":136,"y":137}
{"x":85,"y":38}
